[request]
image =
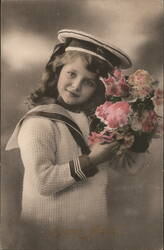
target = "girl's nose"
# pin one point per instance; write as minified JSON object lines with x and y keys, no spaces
{"x":76,"y":84}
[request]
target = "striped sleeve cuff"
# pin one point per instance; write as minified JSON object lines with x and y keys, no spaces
{"x":81,"y":168}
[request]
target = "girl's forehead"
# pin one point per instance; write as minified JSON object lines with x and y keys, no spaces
{"x":80,"y":64}
{"x":77,"y":62}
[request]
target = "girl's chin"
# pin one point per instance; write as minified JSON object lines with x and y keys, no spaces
{"x":70,"y":101}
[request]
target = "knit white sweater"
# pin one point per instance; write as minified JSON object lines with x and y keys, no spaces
{"x":51,"y":198}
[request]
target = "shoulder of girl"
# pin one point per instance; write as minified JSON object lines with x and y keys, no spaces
{"x":36,"y":122}
{"x":35,"y":128}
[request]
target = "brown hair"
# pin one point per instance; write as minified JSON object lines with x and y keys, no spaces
{"x":47,"y":91}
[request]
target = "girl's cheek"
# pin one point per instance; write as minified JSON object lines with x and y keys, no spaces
{"x":90,"y":91}
{"x":93,"y":89}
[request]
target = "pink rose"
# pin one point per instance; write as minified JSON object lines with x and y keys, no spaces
{"x":118,"y":73}
{"x":114,"y":115}
{"x":113,"y":90}
{"x":158,"y":98}
{"x":102,"y":111}
{"x":141,"y":77}
{"x":149,"y":120}
{"x":141,"y":84}
{"x":116,"y":85}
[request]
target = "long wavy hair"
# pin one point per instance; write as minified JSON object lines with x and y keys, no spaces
{"x":47,"y":92}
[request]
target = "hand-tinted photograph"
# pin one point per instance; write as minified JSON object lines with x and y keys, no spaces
{"x":81,"y":125}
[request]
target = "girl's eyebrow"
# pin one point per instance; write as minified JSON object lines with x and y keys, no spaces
{"x":72,"y":69}
{"x":76,"y":71}
{"x":91,"y":79}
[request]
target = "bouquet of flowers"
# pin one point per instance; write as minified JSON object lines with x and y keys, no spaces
{"x":128,"y":114}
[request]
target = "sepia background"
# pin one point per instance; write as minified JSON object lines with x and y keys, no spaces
{"x":28,"y":36}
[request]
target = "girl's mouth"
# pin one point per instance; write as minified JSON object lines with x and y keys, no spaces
{"x":73,"y":94}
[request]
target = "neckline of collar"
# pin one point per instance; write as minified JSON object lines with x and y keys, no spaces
{"x":72,"y":108}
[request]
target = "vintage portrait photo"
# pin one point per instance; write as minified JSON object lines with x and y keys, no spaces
{"x":82,"y":125}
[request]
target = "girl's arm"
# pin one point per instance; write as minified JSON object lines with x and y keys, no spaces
{"x":37,"y":140}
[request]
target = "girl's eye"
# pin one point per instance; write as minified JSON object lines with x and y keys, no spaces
{"x":90,"y":83}
{"x":71,"y":74}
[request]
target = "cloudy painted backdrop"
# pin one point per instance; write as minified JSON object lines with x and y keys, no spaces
{"x":28,"y":37}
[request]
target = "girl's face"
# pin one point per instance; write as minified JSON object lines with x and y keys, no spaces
{"x":76,"y":84}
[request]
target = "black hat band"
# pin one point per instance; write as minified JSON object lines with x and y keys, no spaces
{"x":93,"y":49}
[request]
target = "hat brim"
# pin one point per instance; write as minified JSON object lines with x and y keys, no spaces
{"x":64,"y":34}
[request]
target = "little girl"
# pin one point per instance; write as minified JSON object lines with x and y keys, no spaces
{"x":64,"y":203}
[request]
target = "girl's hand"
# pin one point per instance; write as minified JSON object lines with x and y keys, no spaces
{"x":103,"y":152}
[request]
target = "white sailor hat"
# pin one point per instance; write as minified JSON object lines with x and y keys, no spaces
{"x":84,"y":42}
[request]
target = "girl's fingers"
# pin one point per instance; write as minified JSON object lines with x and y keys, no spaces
{"x":109,"y":143}
{"x":103,"y":142}
{"x":111,"y":147}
